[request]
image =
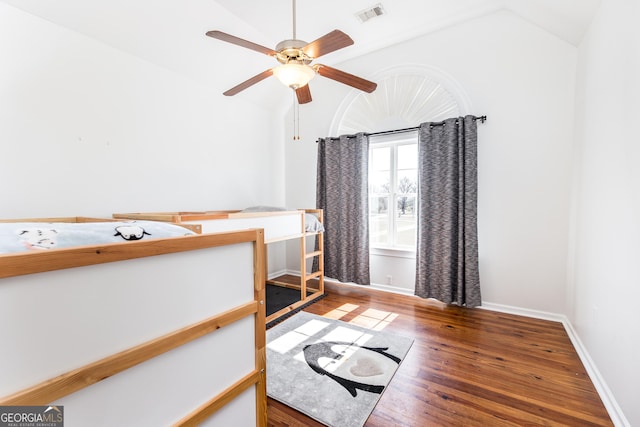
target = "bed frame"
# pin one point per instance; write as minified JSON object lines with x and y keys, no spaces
{"x":278,"y":226}
{"x":152,"y":332}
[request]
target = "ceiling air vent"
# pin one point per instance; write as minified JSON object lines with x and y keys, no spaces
{"x":372,"y":12}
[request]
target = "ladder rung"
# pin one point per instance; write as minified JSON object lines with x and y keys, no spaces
{"x":313,"y":254}
{"x":313,"y":275}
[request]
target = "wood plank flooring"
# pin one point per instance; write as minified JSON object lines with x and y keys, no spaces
{"x":467,"y":367}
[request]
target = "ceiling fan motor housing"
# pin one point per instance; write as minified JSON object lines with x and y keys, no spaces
{"x":290,"y":51}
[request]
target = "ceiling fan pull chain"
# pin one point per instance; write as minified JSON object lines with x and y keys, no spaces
{"x":296,"y":118}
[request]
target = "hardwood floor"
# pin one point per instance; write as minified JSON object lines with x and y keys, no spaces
{"x":467,"y":367}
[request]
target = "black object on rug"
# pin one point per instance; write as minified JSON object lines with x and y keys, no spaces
{"x":279,"y":297}
{"x":332,"y":371}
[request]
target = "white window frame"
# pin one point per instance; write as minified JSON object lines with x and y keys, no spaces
{"x":393,"y":140}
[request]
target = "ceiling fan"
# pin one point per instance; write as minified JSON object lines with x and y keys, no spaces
{"x":295,"y":57}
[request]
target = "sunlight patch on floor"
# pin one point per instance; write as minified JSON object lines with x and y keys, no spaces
{"x":341,"y":311}
{"x":373,"y":319}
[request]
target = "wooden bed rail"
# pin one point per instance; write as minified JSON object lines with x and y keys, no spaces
{"x":17,"y":264}
{"x":209,"y":408}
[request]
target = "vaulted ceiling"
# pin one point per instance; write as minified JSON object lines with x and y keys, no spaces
{"x":171,"y":33}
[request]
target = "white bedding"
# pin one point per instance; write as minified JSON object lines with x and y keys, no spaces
{"x":29,"y":236}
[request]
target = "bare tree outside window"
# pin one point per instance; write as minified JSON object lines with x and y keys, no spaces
{"x":406,"y":189}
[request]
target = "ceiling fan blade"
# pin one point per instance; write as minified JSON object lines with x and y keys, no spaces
{"x":247,"y":83}
{"x":345,"y":78}
{"x":304,"y":94}
{"x":240,"y":42}
{"x":328,"y":43}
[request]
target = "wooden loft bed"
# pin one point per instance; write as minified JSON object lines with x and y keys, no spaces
{"x":278,"y":225}
{"x":164,"y":331}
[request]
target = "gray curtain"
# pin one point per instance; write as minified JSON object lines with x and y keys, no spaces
{"x":447,"y":250}
{"x":342,"y":192}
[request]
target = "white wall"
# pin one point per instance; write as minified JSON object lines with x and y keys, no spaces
{"x":522,"y":78}
{"x":604,"y":280}
{"x":86,"y":129}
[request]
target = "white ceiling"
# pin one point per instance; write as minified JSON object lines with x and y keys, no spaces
{"x":171,"y":33}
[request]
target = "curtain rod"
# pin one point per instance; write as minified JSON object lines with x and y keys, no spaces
{"x":386,"y":132}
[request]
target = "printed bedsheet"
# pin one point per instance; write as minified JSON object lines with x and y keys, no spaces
{"x":30,"y":236}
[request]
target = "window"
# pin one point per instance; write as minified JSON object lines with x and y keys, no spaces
{"x":393,"y":184}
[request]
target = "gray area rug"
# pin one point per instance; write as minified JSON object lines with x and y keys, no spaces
{"x":330,"y":370}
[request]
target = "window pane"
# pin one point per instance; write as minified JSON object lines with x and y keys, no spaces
{"x":379,"y":171}
{"x":379,"y":205}
{"x":379,"y":220}
{"x":407,"y":182}
{"x":406,"y":205}
{"x":380,"y":159}
{"x":406,"y":221}
{"x":379,"y":182}
{"x":407,"y":156}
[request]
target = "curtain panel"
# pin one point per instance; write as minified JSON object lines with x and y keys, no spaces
{"x":342,"y":192}
{"x":447,"y":247}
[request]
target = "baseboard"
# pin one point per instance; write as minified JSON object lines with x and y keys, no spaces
{"x":535,"y":314}
{"x":608,"y":400}
{"x":274,"y":274}
{"x":292,"y":272}
{"x":392,"y":289}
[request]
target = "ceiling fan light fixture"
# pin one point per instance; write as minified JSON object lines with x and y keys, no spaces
{"x":294,"y":75}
